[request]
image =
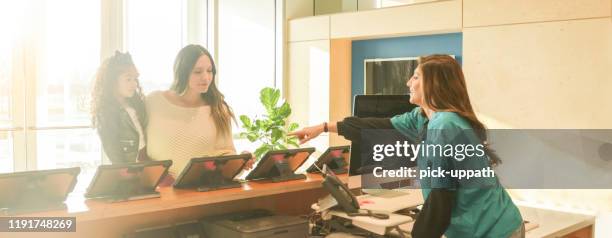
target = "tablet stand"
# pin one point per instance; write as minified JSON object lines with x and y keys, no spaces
{"x":282,"y":171}
{"x":213,"y":179}
{"x":129,"y":189}
{"x":334,"y":158}
{"x":338,"y":165}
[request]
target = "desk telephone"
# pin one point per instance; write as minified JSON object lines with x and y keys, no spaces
{"x":346,"y":200}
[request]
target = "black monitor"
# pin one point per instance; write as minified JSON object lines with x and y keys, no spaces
{"x":335,"y":157}
{"x":378,"y":106}
{"x":381,"y":105}
{"x":280,"y":165}
{"x":34,"y":191}
{"x":124,"y":182}
{"x":212,"y":173}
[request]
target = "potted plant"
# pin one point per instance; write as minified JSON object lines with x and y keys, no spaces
{"x":272,"y":128}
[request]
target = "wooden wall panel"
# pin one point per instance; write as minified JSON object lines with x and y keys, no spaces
{"x":544,"y":75}
{"x":487,"y":12}
{"x":418,"y":19}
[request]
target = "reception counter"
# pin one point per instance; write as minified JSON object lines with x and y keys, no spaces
{"x":100,"y":219}
{"x":97,"y":218}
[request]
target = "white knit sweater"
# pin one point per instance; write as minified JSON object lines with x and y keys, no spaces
{"x":181,"y":133}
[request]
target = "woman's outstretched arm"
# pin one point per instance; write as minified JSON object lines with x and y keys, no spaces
{"x":350,"y":128}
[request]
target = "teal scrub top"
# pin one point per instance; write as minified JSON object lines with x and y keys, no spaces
{"x":482,"y":208}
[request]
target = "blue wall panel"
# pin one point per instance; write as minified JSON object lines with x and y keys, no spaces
{"x":412,"y":46}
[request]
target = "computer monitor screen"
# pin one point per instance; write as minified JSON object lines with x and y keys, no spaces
{"x":378,"y":106}
{"x":36,"y":190}
{"x":122,"y":181}
{"x":211,"y":173}
{"x":335,"y":157}
{"x":280,"y":165}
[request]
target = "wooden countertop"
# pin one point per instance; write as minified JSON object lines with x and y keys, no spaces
{"x":91,"y":210}
{"x":550,"y":223}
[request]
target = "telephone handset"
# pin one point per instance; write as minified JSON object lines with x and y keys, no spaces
{"x":340,"y":192}
{"x":343,"y":195}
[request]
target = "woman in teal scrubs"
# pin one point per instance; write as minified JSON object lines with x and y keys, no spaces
{"x":453,"y":207}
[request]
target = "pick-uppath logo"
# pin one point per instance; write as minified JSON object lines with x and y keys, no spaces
{"x":530,"y":159}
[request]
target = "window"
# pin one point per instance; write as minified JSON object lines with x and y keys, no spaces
{"x":6,"y":152}
{"x":155,"y":32}
{"x":68,"y":59}
{"x":147,"y":31}
{"x":50,"y":51}
{"x":246,"y":54}
{"x":5,"y":77}
{"x":48,"y":61}
{"x":11,"y":14}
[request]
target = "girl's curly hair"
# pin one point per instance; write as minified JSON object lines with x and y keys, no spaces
{"x":104,"y":106}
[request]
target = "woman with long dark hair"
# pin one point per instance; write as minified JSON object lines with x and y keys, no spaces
{"x":118,"y":110}
{"x":453,"y":207}
{"x":191,"y":119}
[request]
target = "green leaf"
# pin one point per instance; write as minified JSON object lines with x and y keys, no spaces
{"x":259,"y":152}
{"x":292,"y":127}
{"x":273,"y":114}
{"x":267,"y":98}
{"x":246,"y":122}
{"x":243,"y":134}
{"x":293,"y":143}
{"x":268,"y":126}
{"x":276,"y":135}
{"x":259,"y":123}
{"x":284,"y":111}
{"x":282,"y":147}
{"x":252,"y":137}
{"x":292,"y":139}
{"x":271,"y":128}
{"x":277,"y":124}
{"x":275,"y":97}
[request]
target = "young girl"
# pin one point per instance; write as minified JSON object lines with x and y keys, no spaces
{"x":453,"y":207}
{"x":118,"y":110}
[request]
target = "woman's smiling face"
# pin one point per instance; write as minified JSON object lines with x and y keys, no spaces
{"x":416,"y":87}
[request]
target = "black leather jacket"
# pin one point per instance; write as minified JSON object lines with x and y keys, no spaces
{"x":120,"y":138}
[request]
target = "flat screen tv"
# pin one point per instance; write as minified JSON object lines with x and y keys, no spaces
{"x":388,"y":76}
